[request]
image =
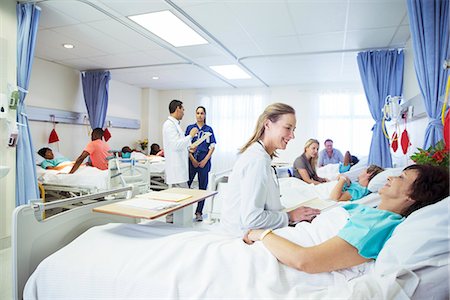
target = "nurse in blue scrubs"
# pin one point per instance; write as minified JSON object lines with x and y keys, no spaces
{"x":200,"y":160}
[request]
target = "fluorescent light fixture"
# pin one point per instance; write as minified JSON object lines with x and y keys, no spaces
{"x":68,"y":46}
{"x":170,"y":28}
{"x":155,"y":77}
{"x":231,"y":72}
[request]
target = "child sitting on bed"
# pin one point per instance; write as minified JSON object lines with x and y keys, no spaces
{"x":50,"y":161}
{"x":346,"y":190}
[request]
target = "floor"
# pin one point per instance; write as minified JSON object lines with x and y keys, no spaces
{"x":5,"y":274}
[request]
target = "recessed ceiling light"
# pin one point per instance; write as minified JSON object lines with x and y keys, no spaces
{"x":170,"y":28}
{"x":155,"y":77}
{"x":68,"y":46}
{"x":231,"y":72}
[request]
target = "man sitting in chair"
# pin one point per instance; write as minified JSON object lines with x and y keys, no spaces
{"x":97,"y":150}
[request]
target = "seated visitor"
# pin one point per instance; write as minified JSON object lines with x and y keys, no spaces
{"x":330,"y":155}
{"x":367,"y":229}
{"x":97,"y":150}
{"x":305,"y":165}
{"x":346,"y":190}
{"x":50,"y":161}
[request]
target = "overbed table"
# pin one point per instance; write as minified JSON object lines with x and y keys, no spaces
{"x":182,"y":210}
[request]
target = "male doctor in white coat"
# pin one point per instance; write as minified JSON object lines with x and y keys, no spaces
{"x":176,"y":146}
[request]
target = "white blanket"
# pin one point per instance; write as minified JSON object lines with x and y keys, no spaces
{"x":129,"y":261}
{"x":85,"y":176}
{"x":295,"y":191}
{"x":331,"y":171}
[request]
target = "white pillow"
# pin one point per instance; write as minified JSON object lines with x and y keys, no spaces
{"x":381,"y":178}
{"x":420,"y":244}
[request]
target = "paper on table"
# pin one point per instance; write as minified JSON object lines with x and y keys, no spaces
{"x":147,"y":204}
{"x":200,"y":140}
{"x":164,"y":196}
{"x":314,"y":203}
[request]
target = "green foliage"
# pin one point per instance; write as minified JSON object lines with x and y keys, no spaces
{"x":435,"y":155}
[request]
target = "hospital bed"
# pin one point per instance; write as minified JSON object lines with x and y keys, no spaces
{"x":155,"y":260}
{"x":331,"y":171}
{"x":59,"y":184}
{"x":157,"y":169}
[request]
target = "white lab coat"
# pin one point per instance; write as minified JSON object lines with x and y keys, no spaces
{"x":176,"y":151}
{"x":252,"y":195}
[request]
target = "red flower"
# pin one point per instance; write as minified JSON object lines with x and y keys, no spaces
{"x":438,"y":156}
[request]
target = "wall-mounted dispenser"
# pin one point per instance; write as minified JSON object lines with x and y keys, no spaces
{"x":14,"y":100}
{"x":13,"y":135}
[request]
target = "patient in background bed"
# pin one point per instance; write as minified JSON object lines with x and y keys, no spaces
{"x":156,"y":150}
{"x":346,"y":190}
{"x":51,"y":162}
{"x":367,"y":229}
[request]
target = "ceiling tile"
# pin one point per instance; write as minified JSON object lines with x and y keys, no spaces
{"x":322,"y":41}
{"x":51,"y":17}
{"x":401,"y":37}
{"x":77,"y":10}
{"x":263,"y":19}
{"x":316,"y":17}
{"x":375,"y":14}
{"x":134,"y":7}
{"x":124,"y":34}
{"x":366,"y":39}
{"x":94,"y":38}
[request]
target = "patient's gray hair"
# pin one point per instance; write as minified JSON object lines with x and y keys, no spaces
{"x":273,"y":112}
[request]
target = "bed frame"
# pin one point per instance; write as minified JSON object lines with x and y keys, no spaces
{"x":33,"y":240}
{"x":214,"y":180}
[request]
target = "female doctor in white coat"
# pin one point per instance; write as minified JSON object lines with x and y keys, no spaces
{"x":253,"y":195}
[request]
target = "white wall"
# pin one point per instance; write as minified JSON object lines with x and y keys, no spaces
{"x":7,"y":155}
{"x":302,"y":98}
{"x":59,"y":87}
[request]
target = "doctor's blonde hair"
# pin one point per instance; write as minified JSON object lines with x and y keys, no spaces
{"x":313,"y":160}
{"x":273,"y":112}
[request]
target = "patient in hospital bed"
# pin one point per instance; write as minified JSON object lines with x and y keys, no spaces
{"x":346,"y":190}
{"x":367,"y":230}
{"x":51,"y":162}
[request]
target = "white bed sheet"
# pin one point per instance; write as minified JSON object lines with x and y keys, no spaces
{"x":295,"y":191}
{"x":331,"y":171}
{"x":159,"y":261}
{"x":85,"y":176}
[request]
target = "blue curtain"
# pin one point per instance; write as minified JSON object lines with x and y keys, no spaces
{"x":382,"y":75}
{"x":27,"y":25}
{"x":95,"y":91}
{"x":429,"y":24}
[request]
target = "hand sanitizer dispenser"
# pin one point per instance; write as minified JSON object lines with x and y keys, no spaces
{"x":3,"y":106}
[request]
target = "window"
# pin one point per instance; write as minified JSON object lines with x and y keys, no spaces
{"x":233,"y":119}
{"x":345,"y":118}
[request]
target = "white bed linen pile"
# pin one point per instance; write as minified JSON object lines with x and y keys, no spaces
{"x":129,"y":261}
{"x":85,"y":176}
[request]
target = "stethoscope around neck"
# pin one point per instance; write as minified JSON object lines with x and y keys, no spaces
{"x":275,"y":173}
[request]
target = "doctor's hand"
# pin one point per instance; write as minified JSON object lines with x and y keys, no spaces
{"x":193,"y":132}
{"x":303,"y":213}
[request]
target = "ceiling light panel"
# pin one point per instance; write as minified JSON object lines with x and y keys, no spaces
{"x":170,"y":28}
{"x":231,"y":72}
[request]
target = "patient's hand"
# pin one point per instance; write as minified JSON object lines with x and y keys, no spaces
{"x":247,"y":239}
{"x":303,"y":213}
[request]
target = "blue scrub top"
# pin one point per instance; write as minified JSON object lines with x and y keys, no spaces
{"x":368,"y":228}
{"x":356,"y":190}
{"x":203,"y":148}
